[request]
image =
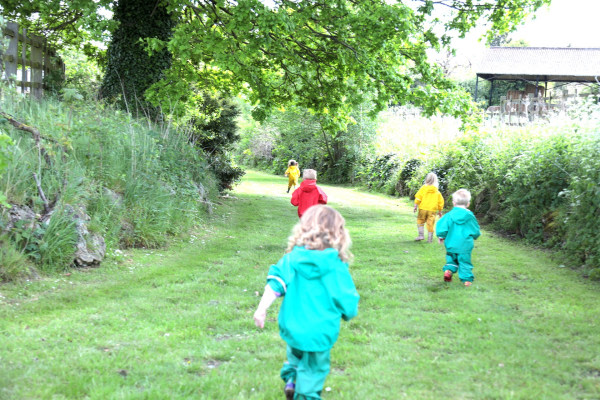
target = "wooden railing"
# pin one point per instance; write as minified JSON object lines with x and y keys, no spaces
{"x":29,"y":61}
{"x":522,"y":110}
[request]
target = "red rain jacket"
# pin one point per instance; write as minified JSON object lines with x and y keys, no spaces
{"x":307,"y":195}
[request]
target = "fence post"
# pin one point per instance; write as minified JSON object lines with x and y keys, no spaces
{"x":47,"y":62}
{"x":10,"y":55}
{"x":24,"y":61}
{"x":37,"y":56}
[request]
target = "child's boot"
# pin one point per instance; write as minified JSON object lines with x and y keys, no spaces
{"x":447,"y":276}
{"x":288,"y":190}
{"x":421,"y":230}
{"x":290,"y":388}
{"x":430,"y":237}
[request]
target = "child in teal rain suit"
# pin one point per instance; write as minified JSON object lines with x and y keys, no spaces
{"x":318,"y":291}
{"x":458,"y":230}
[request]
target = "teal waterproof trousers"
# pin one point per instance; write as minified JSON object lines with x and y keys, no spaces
{"x":460,"y":262}
{"x":308,"y":369}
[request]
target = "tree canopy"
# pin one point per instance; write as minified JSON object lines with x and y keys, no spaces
{"x":326,"y":56}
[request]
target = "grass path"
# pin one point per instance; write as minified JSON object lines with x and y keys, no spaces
{"x":177,"y":324}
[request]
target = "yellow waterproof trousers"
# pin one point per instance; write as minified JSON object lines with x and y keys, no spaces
{"x":428,"y":217}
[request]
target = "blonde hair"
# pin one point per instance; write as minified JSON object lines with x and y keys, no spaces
{"x":432,"y":179}
{"x":321,"y":227}
{"x":462,"y":197}
{"x":292,"y":162}
{"x":309,"y":174}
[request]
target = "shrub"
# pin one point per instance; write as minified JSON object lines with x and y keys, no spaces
{"x":582,"y":201}
{"x":406,"y":174}
{"x":379,"y":173}
{"x":13,"y":263}
{"x":215,"y":131}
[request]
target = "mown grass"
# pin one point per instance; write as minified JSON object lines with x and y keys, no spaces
{"x":178,"y":324}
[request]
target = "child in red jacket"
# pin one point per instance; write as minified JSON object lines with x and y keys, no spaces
{"x":308,"y":194}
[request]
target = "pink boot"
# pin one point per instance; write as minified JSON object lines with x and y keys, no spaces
{"x":421,"y":230}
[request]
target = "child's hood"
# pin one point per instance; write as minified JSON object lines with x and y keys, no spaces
{"x":430,"y":189}
{"x":461,"y":215}
{"x":313,"y":264}
{"x":308,"y":185}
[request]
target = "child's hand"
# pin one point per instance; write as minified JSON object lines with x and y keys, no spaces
{"x":441,"y":240}
{"x":415,"y":209}
{"x":259,"y":318}
{"x":440,"y":214}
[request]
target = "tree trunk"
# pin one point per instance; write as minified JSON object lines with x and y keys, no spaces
{"x":130,"y":71}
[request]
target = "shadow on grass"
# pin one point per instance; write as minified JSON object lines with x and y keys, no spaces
{"x":438,"y":286}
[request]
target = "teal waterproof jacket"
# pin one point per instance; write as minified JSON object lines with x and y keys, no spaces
{"x":318,"y":291}
{"x":459,"y":228}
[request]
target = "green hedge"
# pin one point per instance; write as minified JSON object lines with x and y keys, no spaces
{"x":539,"y":182}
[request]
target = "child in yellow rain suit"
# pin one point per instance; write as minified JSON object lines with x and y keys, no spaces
{"x":429,"y":201}
{"x":293,"y":173}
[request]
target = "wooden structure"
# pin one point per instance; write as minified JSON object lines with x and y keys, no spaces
{"x":29,"y":61}
{"x":536,"y":65}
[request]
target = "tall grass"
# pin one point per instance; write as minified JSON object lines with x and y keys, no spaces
{"x":138,"y":181}
{"x":58,"y":242}
{"x":13,"y":263}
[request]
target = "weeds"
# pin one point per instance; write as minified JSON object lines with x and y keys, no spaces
{"x":137,"y":181}
{"x":58,"y":243}
{"x":14,"y":264}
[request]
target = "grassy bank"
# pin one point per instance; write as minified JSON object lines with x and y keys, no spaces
{"x":178,"y":323}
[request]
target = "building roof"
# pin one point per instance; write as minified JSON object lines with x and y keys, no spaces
{"x":551,"y":64}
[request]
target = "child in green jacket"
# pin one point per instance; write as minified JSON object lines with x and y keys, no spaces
{"x":318,"y":292}
{"x":457,"y":230}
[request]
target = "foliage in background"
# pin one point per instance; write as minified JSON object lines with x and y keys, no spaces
{"x":538,"y":182}
{"x":82,"y":74}
{"x":318,"y":56}
{"x":325,"y":57}
{"x":298,"y":134}
{"x":73,"y":23}
{"x":140,"y":183}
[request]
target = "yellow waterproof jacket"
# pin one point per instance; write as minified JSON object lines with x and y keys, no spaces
{"x":429,"y":198}
{"x":293,"y":172}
